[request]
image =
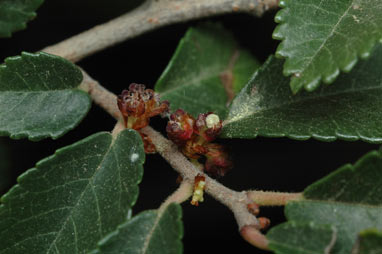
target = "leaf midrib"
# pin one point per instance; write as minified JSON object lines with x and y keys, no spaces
{"x":146,"y":243}
{"x":328,"y":37}
{"x":206,"y":75}
{"x":79,"y":199}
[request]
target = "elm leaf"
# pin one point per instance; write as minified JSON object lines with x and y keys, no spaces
{"x":74,"y":198}
{"x":350,"y":109}
{"x":349,"y":200}
{"x":39,"y":96}
{"x":153,"y":231}
{"x":206,"y":71}
{"x":299,"y":238}
{"x":14,"y":14}
{"x":320,"y":38}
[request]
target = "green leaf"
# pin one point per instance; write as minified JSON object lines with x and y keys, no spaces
{"x":299,"y":238}
{"x":39,"y":96}
{"x":350,"y":109}
{"x":72,"y":199}
{"x":369,"y":242}
{"x":14,"y":14}
{"x":349,"y":199}
{"x":206,"y":71}
{"x":152,"y":231}
{"x":319,"y":38}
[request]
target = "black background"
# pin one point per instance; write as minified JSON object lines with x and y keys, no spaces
{"x":262,"y":163}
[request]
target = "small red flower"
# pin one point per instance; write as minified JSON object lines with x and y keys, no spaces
{"x":137,"y":105}
{"x":208,"y":126}
{"x":180,"y":128}
{"x":194,"y":136}
{"x":218,"y":162}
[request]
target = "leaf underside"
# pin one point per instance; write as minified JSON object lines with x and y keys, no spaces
{"x":39,"y":96}
{"x":206,"y":71}
{"x":71,"y":200}
{"x":349,"y":199}
{"x":320,"y":38}
{"x":350,"y":109}
{"x":152,"y":231}
{"x":14,"y":14}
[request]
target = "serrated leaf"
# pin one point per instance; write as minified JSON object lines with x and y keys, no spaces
{"x":350,"y":109}
{"x":14,"y":14}
{"x":71,"y":200}
{"x":152,"y":231}
{"x":300,"y":239}
{"x":206,"y":71}
{"x":369,"y":242}
{"x":39,"y":96}
{"x":320,"y":38}
{"x":349,"y":199}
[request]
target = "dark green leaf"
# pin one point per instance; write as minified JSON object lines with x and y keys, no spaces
{"x":14,"y":14}
{"x":153,"y":231}
{"x":72,"y":199}
{"x":350,"y":109}
{"x":361,"y":183}
{"x":206,"y":71}
{"x":369,"y":242}
{"x":296,"y":238}
{"x":349,"y":199}
{"x":39,"y":96}
{"x":322,"y":37}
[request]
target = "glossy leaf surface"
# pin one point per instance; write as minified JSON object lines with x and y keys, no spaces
{"x":350,"y":109}
{"x":320,"y":38}
{"x":72,"y":199}
{"x":152,"y":231}
{"x":14,"y":14}
{"x":348,"y":199}
{"x":206,"y":71}
{"x":39,"y":96}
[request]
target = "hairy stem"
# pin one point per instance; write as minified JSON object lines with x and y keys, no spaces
{"x":269,"y":198}
{"x":183,"y":193}
{"x":151,"y":15}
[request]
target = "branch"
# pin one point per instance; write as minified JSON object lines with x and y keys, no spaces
{"x":269,"y":198}
{"x":183,"y":193}
{"x":236,"y":201}
{"x":153,"y":14}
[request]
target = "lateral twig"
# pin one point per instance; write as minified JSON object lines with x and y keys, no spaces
{"x":151,"y":15}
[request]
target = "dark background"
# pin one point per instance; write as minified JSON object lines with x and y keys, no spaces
{"x":261,"y":163}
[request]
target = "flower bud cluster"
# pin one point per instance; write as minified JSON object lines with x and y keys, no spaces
{"x":193,"y":136}
{"x":137,"y":105}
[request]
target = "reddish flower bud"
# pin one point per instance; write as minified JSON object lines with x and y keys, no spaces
{"x":208,"y":126}
{"x":180,"y":127}
{"x":138,"y":104}
{"x":218,"y":162}
{"x":264,"y":223}
{"x":253,"y":208}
